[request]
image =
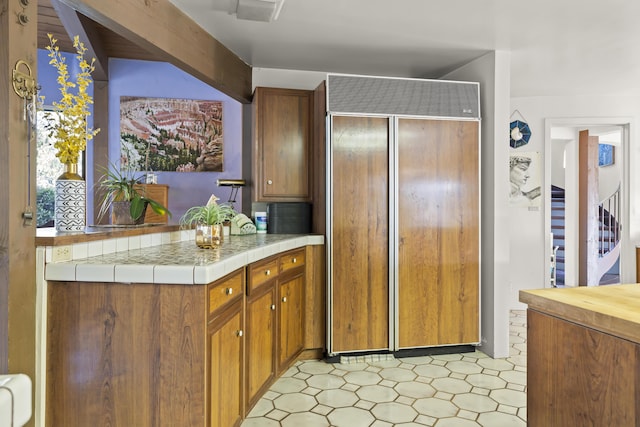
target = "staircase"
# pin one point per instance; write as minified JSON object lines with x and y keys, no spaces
{"x":557,"y":228}
{"x":609,"y":235}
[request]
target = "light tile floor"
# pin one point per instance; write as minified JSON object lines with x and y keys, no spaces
{"x":454,"y":390}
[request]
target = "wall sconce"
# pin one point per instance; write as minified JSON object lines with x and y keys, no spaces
{"x":235,"y":184}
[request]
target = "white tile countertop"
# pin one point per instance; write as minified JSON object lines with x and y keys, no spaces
{"x":180,"y":262}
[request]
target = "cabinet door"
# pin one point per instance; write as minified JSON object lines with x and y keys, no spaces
{"x":291,"y":329}
{"x":438,"y":232}
{"x":159,"y":193}
{"x":261,"y":323}
{"x":360,"y":234}
{"x":225,"y":373}
{"x":283,"y":143}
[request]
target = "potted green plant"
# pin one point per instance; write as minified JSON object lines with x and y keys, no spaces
{"x":208,"y":221}
{"x":123,"y":196}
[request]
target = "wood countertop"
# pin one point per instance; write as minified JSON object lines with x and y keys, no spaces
{"x":612,"y":309}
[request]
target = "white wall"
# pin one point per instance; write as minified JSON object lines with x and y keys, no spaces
{"x":290,"y":79}
{"x":599,"y":110}
{"x":609,"y":176}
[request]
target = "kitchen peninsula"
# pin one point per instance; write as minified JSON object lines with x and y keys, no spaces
{"x":145,"y":329}
{"x":583,"y":356}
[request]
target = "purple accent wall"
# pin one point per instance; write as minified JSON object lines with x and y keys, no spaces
{"x":47,"y":75}
{"x":163,"y":80}
{"x":160,"y":80}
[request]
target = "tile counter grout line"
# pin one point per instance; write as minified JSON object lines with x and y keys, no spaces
{"x":455,"y":390}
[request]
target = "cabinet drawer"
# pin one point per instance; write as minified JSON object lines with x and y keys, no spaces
{"x":291,"y":260}
{"x":221,"y":293}
{"x":261,"y":273}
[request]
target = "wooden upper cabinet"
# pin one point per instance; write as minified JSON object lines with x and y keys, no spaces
{"x":283,"y":136}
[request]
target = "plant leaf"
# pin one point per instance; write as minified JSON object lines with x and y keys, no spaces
{"x":137,"y":207}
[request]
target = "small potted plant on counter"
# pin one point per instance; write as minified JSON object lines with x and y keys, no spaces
{"x":124,"y":197}
{"x":208,"y":221}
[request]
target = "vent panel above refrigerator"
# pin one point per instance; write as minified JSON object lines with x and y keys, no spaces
{"x":411,"y":97}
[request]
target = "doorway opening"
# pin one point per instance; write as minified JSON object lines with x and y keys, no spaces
{"x":562,"y":216}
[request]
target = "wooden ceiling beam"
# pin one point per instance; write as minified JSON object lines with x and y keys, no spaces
{"x":76,"y":24}
{"x":164,"y":30}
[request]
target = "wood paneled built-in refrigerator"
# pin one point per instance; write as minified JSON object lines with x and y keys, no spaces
{"x":403,"y":214}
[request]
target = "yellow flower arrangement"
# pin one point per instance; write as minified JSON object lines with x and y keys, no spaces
{"x":70,"y":131}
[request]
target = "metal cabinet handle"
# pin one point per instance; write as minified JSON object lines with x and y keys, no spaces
{"x":284,"y":299}
{"x":229,"y":291}
{"x":267,"y":272}
{"x":273,"y":307}
{"x":269,"y":182}
{"x":294,"y":260}
{"x":240,"y":333}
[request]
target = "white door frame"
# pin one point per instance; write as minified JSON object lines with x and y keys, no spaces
{"x":627,"y":252}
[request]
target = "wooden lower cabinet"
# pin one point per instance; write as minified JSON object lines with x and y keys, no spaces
{"x":154,"y":355}
{"x":291,"y":327}
{"x":577,"y":376}
{"x":122,"y":354}
{"x":261,"y":350}
{"x":145,"y":355}
{"x":226,"y":395}
{"x":275,"y":319}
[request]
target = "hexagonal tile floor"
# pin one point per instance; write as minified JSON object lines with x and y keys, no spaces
{"x":458,"y":390}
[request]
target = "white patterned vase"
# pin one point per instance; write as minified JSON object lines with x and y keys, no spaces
{"x":70,"y":200}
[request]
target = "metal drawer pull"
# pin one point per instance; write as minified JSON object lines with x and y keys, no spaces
{"x":267,"y":272}
{"x":294,"y":260}
{"x":229,"y":291}
{"x":269,"y":182}
{"x":284,"y":299}
{"x":273,"y":307}
{"x":240,"y":333}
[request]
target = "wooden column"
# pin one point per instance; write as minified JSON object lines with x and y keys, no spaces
{"x":17,"y":175}
{"x":100,"y":143}
{"x":588,"y":209}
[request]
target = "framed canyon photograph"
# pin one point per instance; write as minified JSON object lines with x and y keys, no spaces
{"x":171,"y":135}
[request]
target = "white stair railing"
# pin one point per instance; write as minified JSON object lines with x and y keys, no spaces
{"x":609,"y":216}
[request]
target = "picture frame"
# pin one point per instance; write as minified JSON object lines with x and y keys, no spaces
{"x":171,"y":135}
{"x":606,"y":155}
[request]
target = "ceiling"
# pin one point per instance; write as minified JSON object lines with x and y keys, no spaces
{"x":558,"y":47}
{"x":113,"y":44}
